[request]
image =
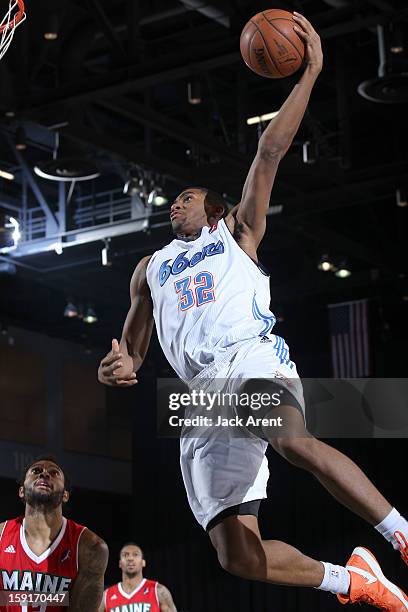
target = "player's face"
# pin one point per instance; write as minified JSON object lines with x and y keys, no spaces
{"x":188,"y":214}
{"x":131,"y":560}
{"x":44,"y":486}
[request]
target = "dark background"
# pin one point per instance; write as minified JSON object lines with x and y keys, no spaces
{"x":120,"y":93}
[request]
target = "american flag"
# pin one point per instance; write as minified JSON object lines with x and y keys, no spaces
{"x":349,"y":338}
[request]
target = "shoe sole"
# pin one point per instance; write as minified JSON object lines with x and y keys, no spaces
{"x":373,"y":564}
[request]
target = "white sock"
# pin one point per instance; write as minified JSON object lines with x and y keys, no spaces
{"x":336,"y":579}
{"x":393,"y":522}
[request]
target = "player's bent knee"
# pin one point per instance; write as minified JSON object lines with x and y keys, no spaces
{"x":244,"y":565}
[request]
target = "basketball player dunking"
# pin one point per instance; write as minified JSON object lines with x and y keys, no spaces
{"x":145,"y":595}
{"x":43,"y":551}
{"x":210,"y":301}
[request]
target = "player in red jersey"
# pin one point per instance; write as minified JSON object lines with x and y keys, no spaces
{"x":43,"y":551}
{"x":135,"y":593}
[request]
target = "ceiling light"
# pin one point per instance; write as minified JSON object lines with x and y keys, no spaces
{"x":90,"y":316}
{"x":70,"y":311}
{"x":157,"y":198}
{"x":397,"y":39}
{"x":343,"y":272}
{"x":402,"y":199}
{"x":9,"y":233}
{"x":309,"y":153}
{"x":20,"y":140}
{"x":106,"y":261}
{"x":325,"y":264}
{"x":16,"y":235}
{"x":9,"y":176}
{"x":51,"y":31}
{"x":262,"y":118}
{"x":194,"y":91}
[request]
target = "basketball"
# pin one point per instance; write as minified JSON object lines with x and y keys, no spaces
{"x":270,"y":46}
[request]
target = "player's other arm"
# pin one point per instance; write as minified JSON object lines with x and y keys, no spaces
{"x":102,"y":607}
{"x":87,"y":591}
{"x":248,"y":222}
{"x":165,"y":599}
{"x":120,"y":365}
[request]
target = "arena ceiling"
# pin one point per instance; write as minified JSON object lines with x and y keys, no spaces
{"x":114,"y":87}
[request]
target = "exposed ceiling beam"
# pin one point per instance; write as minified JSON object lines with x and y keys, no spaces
{"x":52,"y":222}
{"x":175,"y":129}
{"x":173,"y":67}
{"x":208,"y":10}
{"x":101,"y":18}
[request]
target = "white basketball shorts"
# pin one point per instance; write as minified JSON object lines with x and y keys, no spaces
{"x":226,"y":468}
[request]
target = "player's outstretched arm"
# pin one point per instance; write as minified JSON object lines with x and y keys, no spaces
{"x":165,"y":599}
{"x":250,"y":218}
{"x":119,"y":367}
{"x":93,"y":556}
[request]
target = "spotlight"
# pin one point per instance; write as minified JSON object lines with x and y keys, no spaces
{"x":106,"y":261}
{"x":20,"y":139}
{"x":71,"y":311}
{"x":343,"y":272}
{"x":9,"y":176}
{"x":325,"y":264}
{"x":90,"y":316}
{"x":16,"y":234}
{"x":194,"y":91}
{"x":157,"y":198}
{"x":131,"y":187}
{"x":397,"y":39}
{"x":402,"y":199}
{"x":309,"y":153}
{"x":262,"y":118}
{"x":10,"y":234}
{"x":51,"y":31}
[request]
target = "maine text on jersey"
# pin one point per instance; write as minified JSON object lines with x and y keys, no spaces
{"x":34,"y":581}
{"x":182,"y":262}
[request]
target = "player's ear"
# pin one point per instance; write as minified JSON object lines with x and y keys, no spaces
{"x":21,"y":493}
{"x":144,"y":563}
{"x":214,"y":214}
{"x":65,"y":497}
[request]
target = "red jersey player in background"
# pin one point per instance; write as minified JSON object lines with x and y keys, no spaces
{"x":43,"y":551}
{"x":149,"y":595}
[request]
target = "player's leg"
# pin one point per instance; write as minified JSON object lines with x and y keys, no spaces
{"x":344,"y":480}
{"x":241,"y":551}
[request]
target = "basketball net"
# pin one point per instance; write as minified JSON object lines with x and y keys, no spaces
{"x":11,"y":20}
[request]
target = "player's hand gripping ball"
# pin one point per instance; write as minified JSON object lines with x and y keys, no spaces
{"x":275,"y":43}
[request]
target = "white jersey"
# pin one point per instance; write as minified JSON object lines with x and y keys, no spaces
{"x":208,"y":295}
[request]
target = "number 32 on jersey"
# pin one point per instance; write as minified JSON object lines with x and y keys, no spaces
{"x":195,"y":291}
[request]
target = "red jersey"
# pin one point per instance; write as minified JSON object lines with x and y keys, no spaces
{"x":54,"y":571}
{"x":143,"y":599}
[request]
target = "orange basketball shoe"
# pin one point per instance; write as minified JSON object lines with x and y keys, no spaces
{"x":369,"y":585}
{"x":403,"y":545}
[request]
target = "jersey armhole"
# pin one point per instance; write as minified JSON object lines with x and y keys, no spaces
{"x":77,"y":550}
{"x":156,"y":588}
{"x":2,"y":531}
{"x":262,"y":269}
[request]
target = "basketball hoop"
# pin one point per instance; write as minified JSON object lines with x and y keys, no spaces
{"x":11,"y":20}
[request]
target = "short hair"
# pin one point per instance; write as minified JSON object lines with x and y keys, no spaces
{"x":132,"y":544}
{"x":213,"y":198}
{"x":52,"y":459}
